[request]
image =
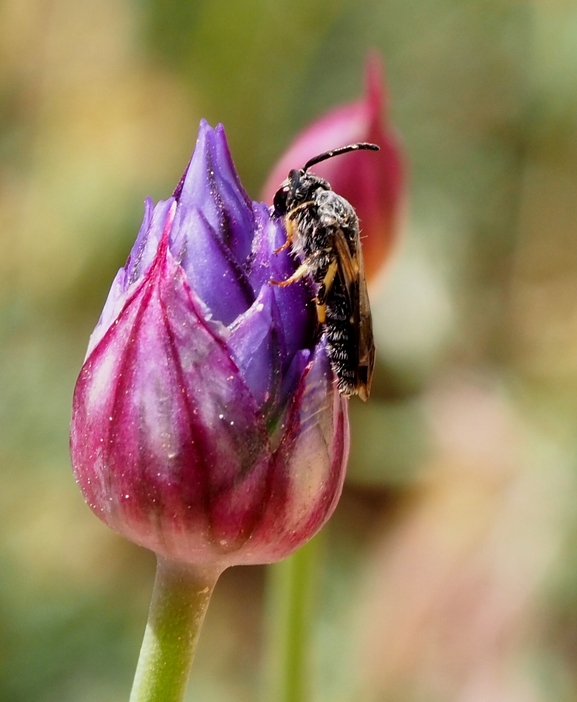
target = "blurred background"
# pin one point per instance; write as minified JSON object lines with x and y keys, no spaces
{"x":450,"y":566}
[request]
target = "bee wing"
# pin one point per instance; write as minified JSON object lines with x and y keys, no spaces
{"x":366,"y":340}
{"x":352,"y":273}
{"x":348,"y":267}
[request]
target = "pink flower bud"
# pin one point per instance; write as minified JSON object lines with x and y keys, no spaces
{"x":371,"y":182}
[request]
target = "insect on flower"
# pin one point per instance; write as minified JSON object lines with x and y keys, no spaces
{"x":323,"y":230}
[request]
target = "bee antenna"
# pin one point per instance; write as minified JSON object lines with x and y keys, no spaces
{"x":361,"y":145}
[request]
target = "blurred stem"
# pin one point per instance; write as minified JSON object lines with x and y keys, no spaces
{"x":179,"y":602}
{"x":291,"y":586}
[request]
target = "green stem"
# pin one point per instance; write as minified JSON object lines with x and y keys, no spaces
{"x":179,"y":602}
{"x":290,"y":598}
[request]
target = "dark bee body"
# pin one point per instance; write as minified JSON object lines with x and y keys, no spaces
{"x":323,"y":229}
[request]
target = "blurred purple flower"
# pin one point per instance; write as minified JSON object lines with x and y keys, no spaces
{"x":372,"y":182}
{"x":206,"y":425}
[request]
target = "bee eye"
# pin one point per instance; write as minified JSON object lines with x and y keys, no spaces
{"x":279,"y":202}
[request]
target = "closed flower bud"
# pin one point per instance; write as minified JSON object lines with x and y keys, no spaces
{"x":206,"y":424}
{"x":372,"y":183}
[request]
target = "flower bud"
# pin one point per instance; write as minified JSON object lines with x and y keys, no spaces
{"x":371,"y":182}
{"x":206,"y":424}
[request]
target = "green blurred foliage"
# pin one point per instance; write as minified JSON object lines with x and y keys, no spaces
{"x":449,"y":569}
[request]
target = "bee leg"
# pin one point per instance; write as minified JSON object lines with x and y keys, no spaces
{"x":290,"y":234}
{"x":320,"y":302}
{"x":300,"y":272}
{"x":284,"y":246}
{"x":327,"y":283}
{"x":324,"y":288}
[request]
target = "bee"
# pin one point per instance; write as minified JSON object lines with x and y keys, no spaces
{"x":323,"y":231}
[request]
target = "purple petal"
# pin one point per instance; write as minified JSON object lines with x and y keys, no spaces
{"x":146,"y":244}
{"x":294,"y":301}
{"x":211,"y":184}
{"x":265,"y":263}
{"x":211,"y":269}
{"x":293,"y":376}
{"x":256,"y":345}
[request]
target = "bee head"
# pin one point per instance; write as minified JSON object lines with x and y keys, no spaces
{"x":297,"y":189}
{"x":300,"y":185}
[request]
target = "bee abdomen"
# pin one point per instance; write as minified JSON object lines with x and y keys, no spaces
{"x":341,"y":342}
